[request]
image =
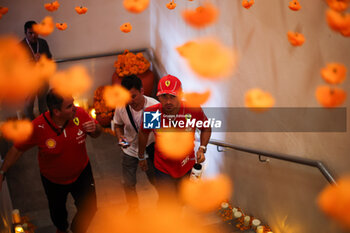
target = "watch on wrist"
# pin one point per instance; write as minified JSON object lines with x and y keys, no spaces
{"x":204,"y":148}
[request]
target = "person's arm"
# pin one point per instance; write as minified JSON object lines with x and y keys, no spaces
{"x":204,"y":140}
{"x":143,"y":139}
{"x":119,"y":131}
{"x":92,"y":128}
{"x":11,"y":157}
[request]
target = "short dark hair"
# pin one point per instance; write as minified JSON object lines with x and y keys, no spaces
{"x":53,"y":101}
{"x":132,"y":81}
{"x":28,"y":25}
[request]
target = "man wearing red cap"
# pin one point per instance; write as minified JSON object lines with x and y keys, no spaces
{"x":169,"y":171}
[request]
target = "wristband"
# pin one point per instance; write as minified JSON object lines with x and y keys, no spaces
{"x":142,"y":159}
{"x":204,"y":148}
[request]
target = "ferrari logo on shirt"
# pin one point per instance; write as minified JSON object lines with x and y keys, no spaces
{"x":167,"y":83}
{"x":76,"y":121}
{"x":50,"y":143}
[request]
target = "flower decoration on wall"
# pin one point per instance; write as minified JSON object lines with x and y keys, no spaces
{"x":116,"y":96}
{"x":294,"y":5}
{"x":104,"y":114}
{"x":295,"y":38}
{"x":171,"y":5}
{"x":46,"y":26}
{"x":136,"y":6}
{"x":334,"y":201}
{"x":338,"y":21}
{"x":17,"y":131}
{"x":209,"y":58}
{"x":61,"y":26}
{"x":334,"y":73}
{"x":247,"y":3}
{"x":202,"y":16}
{"x":81,"y":10}
{"x":207,"y":193}
{"x":194,"y":99}
{"x":3,"y":11}
{"x":258,"y":100}
{"x":330,"y":97}
{"x":338,"y":5}
{"x":71,"y":82}
{"x":126,"y":27}
{"x":53,"y":6}
{"x":129,"y":63}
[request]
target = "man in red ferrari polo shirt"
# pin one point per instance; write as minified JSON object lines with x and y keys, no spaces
{"x":169,"y":172}
{"x":64,"y":164}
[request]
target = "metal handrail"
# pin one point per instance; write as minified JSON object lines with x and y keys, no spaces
{"x":60,"y":60}
{"x":309,"y":162}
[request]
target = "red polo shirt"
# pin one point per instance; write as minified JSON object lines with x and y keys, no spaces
{"x":61,"y":157}
{"x":173,"y":167}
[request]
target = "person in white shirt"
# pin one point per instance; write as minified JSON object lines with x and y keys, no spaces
{"x":127,"y":123}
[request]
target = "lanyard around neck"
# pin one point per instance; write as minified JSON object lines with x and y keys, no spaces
{"x":31,"y":49}
{"x":56,"y":130}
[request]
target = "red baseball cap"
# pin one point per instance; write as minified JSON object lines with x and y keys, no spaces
{"x":169,"y":85}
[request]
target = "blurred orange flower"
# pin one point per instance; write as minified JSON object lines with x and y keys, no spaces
{"x":81,"y":10}
{"x":247,"y":3}
{"x":334,"y":73}
{"x":71,"y":82}
{"x":194,"y":99}
{"x":44,"y":28}
{"x":185,"y":49}
{"x":338,"y":21}
{"x":330,"y":97}
{"x":338,"y":5}
{"x":45,"y":67}
{"x":295,"y":38}
{"x":126,"y":27}
{"x":129,"y":63}
{"x":61,"y":26}
{"x":206,"y":194}
{"x":3,"y":10}
{"x":116,"y":96}
{"x":258,"y":100}
{"x":294,"y":5}
{"x":53,"y":6}
{"x":334,"y":201}
{"x":175,"y":143}
{"x":18,"y":78}
{"x":17,"y":131}
{"x":209,"y":58}
{"x":202,"y":16}
{"x":151,"y":220}
{"x":135,"y":6}
{"x":171,"y":5}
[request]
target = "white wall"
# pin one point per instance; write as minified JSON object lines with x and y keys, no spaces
{"x":95,"y":32}
{"x":280,"y":193}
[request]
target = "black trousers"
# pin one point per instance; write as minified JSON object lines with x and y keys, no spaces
{"x":84,"y":195}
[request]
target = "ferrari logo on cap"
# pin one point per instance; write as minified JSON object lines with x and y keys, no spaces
{"x":76,"y":121}
{"x":188,"y":116}
{"x":167,"y":83}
